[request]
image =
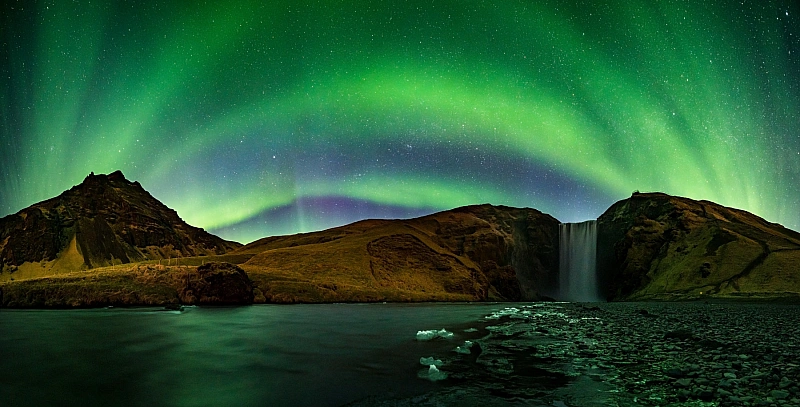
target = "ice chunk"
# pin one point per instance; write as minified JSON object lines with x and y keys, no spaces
{"x":433,"y":334}
{"x":465,"y":348}
{"x":426,"y":335}
{"x":430,"y":361}
{"x":503,"y":312}
{"x":433,"y":374}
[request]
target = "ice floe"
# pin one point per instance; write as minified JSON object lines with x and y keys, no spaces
{"x":465,"y":348}
{"x":433,"y":374}
{"x":433,"y":334}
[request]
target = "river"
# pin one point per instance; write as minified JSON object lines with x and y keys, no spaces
{"x":268,"y":355}
{"x":535,"y":354}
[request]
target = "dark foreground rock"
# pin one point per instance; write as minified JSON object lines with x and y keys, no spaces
{"x":621,"y":354}
{"x":217,"y":284}
{"x":207,"y":284}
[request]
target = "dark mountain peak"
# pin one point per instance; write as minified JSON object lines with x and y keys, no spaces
{"x":116,"y":177}
{"x":103,"y":220}
{"x":492,"y":211}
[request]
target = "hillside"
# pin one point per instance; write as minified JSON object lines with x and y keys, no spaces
{"x":656,"y":246}
{"x":473,"y":253}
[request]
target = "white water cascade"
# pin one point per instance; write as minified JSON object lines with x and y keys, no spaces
{"x":577,"y":258}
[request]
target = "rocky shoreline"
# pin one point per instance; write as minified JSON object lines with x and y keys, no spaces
{"x":624,"y":354}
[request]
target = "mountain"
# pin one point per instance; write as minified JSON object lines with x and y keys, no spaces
{"x":473,"y":253}
{"x":114,"y":229}
{"x":103,"y":221}
{"x":650,"y":246}
{"x":657,"y":246}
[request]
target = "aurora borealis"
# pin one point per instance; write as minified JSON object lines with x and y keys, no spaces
{"x":254,"y":118}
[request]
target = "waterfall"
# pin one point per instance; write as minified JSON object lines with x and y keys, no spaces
{"x":577,"y":258}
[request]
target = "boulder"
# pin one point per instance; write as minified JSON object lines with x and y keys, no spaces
{"x":216,"y":284}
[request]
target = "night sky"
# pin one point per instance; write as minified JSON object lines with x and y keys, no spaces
{"x":255,"y":118}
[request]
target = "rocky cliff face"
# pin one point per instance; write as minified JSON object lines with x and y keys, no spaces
{"x":473,"y":253}
{"x":656,"y":246}
{"x":517,"y":249}
{"x":105,"y":220}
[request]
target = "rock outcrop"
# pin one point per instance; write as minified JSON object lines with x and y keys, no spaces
{"x":656,"y":246}
{"x":105,"y":220}
{"x":473,"y":253}
{"x":216,"y":284}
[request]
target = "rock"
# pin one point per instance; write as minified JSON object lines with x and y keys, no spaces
{"x":680,"y":334}
{"x":705,"y":395}
{"x":702,"y":381}
{"x":779,"y":394}
{"x":674,"y":372}
{"x":217,"y":284}
{"x":711,"y":344}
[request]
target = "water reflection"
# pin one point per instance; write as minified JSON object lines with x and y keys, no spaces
{"x":315,"y":355}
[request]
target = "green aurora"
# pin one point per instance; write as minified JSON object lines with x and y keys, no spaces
{"x":255,"y":118}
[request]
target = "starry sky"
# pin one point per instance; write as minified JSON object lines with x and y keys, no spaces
{"x":256,"y":118}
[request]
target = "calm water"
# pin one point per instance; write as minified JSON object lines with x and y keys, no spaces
{"x":311,"y":355}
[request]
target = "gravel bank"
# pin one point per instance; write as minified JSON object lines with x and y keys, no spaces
{"x":622,"y":354}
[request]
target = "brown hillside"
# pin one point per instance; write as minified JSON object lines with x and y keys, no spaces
{"x":468,"y":254}
{"x":103,"y":221}
{"x":656,"y":246}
